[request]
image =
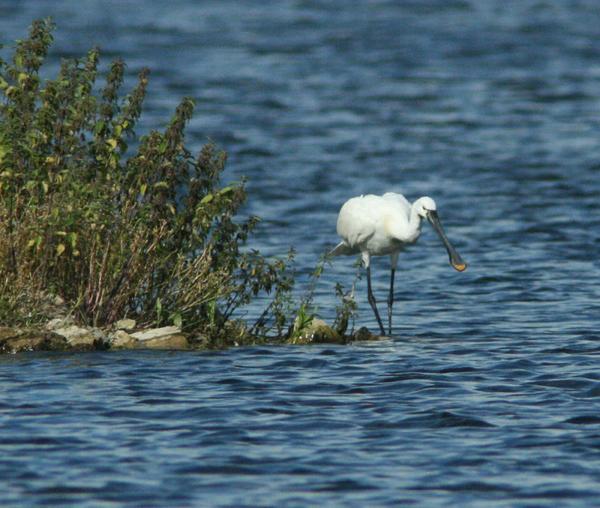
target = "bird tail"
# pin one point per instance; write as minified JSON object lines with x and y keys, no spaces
{"x":342,"y":249}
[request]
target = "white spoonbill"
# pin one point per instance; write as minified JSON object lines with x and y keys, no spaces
{"x":385,"y":225}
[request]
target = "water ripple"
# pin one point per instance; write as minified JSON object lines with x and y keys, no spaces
{"x":486,"y":392}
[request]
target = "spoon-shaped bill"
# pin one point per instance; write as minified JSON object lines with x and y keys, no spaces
{"x":455,"y":260}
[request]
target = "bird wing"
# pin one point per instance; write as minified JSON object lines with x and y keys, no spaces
{"x":357,"y":221}
{"x":398,"y":204}
{"x":398,"y":201}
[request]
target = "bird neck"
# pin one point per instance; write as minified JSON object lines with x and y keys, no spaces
{"x":414,"y":222}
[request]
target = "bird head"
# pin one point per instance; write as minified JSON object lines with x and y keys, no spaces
{"x":425,"y":205}
{"x":427,"y":209}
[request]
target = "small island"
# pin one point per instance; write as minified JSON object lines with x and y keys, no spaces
{"x":112,"y":240}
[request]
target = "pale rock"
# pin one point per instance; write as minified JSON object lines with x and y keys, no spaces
{"x":121,"y":339}
{"x":176,"y":341}
{"x":59,"y":322}
{"x":156,"y":333}
{"x":77,"y":336}
{"x":125,"y":324}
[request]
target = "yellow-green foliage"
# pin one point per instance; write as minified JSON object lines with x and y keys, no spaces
{"x":147,"y":233}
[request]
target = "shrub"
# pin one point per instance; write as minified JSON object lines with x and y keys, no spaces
{"x":114,"y":231}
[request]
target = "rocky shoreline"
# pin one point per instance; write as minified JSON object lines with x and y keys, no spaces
{"x":62,"y":334}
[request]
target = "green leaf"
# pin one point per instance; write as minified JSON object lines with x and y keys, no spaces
{"x":158,"y":308}
{"x":99,"y":127}
{"x":72,"y":238}
{"x":177,"y":319}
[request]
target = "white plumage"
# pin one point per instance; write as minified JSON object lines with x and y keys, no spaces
{"x":384,"y":225}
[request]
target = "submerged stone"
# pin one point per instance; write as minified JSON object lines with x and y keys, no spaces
{"x":318,"y":331}
{"x":364,"y":333}
{"x":18,"y":341}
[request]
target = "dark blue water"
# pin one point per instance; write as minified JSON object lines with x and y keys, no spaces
{"x":488,"y":393}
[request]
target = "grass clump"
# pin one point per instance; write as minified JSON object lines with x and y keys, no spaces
{"x":146,"y":232}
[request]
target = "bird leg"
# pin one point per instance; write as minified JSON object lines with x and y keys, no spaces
{"x":390,"y":301}
{"x":372,"y":301}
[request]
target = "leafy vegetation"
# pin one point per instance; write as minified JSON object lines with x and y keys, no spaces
{"x":114,"y":232}
{"x":109,"y":230}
